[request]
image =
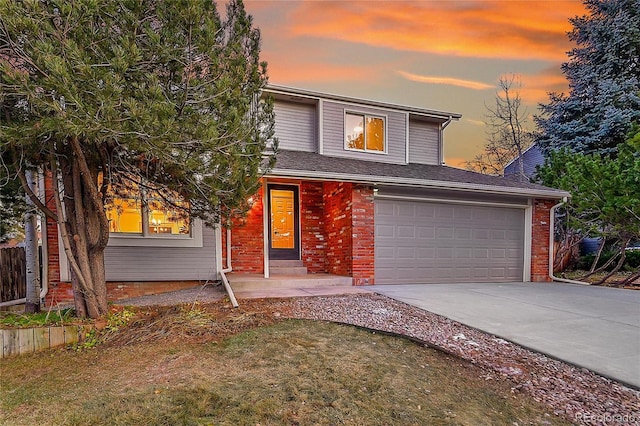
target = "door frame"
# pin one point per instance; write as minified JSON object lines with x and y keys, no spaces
{"x":295,"y":252}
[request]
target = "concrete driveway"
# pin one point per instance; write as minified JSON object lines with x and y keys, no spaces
{"x":593,"y":327}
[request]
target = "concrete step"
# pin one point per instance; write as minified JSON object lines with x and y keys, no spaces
{"x":287,"y":270}
{"x":285,"y":263}
{"x":240,"y":282}
{"x":287,"y":267}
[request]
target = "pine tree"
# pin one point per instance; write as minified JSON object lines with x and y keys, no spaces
{"x":112,"y":96}
{"x":604,"y":82}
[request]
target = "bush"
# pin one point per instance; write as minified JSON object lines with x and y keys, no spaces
{"x":632,"y":261}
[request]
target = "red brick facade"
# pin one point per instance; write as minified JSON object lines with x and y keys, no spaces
{"x":247,"y":246}
{"x":336,"y":232}
{"x":337,"y":213}
{"x":540,"y":233}
{"x":363,"y":234}
{"x":337,"y":237}
{"x":313,"y":239}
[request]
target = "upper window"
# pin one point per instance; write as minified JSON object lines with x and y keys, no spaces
{"x":364,"y":132}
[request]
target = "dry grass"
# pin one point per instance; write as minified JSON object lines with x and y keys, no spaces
{"x":274,"y":372}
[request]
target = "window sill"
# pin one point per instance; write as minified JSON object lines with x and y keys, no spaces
{"x":159,"y":240}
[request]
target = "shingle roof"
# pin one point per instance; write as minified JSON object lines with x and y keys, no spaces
{"x":311,"y":165}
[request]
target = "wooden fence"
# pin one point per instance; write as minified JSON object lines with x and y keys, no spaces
{"x":13,"y":278}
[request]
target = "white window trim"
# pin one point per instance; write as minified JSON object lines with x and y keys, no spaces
{"x":384,"y":118}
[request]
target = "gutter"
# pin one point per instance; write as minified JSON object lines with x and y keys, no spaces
{"x":228,"y":269}
{"x":422,"y":183}
{"x":552,"y":218}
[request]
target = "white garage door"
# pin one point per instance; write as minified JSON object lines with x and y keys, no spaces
{"x":426,"y":242}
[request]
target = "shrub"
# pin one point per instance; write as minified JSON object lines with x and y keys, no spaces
{"x":632,"y":260}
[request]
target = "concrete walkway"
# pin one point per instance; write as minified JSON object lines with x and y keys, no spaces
{"x":593,"y":327}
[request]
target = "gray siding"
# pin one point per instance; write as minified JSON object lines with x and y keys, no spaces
{"x":296,"y":127}
{"x":424,"y":142}
{"x":333,"y":133}
{"x":163,"y":263}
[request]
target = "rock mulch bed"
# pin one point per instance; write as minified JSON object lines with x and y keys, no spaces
{"x":574,"y":393}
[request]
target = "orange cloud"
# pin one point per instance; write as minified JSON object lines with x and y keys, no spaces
{"x":536,"y":87}
{"x":490,"y":29}
{"x":287,"y":68}
{"x":449,"y":81}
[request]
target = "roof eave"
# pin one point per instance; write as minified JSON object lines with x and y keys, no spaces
{"x":309,"y":94}
{"x":422,"y":183}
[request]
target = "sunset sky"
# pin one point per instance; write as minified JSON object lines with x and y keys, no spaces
{"x":446,"y":55}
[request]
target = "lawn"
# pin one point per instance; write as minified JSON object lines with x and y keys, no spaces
{"x":169,"y":368}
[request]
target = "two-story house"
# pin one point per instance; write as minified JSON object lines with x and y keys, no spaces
{"x":359,"y":190}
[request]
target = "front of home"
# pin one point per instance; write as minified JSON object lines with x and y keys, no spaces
{"x":358,"y":191}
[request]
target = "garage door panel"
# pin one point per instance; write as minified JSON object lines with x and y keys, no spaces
{"x":423,"y":242}
{"x":406,"y":231}
{"x":385,"y":231}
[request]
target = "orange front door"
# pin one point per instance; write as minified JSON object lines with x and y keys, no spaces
{"x":282,"y":219}
{"x":283,"y":224}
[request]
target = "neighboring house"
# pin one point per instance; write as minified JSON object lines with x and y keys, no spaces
{"x":359,"y":191}
{"x":531,"y":158}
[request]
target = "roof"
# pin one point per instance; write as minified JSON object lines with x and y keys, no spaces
{"x":531,"y":158}
{"x":297,"y":94}
{"x":298,"y":164}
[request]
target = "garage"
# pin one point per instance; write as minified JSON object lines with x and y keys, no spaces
{"x":444,"y":242}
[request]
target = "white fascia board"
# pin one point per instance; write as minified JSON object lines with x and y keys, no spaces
{"x":423,"y":183}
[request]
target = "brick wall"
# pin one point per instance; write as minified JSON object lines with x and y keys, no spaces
{"x":62,"y":293}
{"x":337,"y":219}
{"x":363,"y":235}
{"x":349,"y":228}
{"x":53,"y":252}
{"x":247,"y":247}
{"x":312,"y":227}
{"x":540,"y":233}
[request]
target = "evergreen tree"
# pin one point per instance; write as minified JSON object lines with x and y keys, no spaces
{"x":114,"y":97}
{"x":604,"y":80}
{"x":605,"y":192}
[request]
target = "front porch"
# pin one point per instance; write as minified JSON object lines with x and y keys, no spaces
{"x":303,"y":234}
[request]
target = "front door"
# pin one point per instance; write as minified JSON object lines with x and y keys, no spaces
{"x":284,"y":228}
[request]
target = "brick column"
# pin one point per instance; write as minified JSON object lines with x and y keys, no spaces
{"x":314,"y":242}
{"x":59,"y":292}
{"x":247,"y":243}
{"x":363,"y":235}
{"x":540,"y":232}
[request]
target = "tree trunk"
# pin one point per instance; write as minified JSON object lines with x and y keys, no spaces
{"x":84,"y":229}
{"x":32,"y":303}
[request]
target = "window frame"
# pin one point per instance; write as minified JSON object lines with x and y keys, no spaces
{"x":364,"y":116}
{"x":149,"y":239}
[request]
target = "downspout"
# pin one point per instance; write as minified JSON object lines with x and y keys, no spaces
{"x":45,"y":264}
{"x":228,"y":269}
{"x":552,"y":218}
{"x":441,"y":145}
